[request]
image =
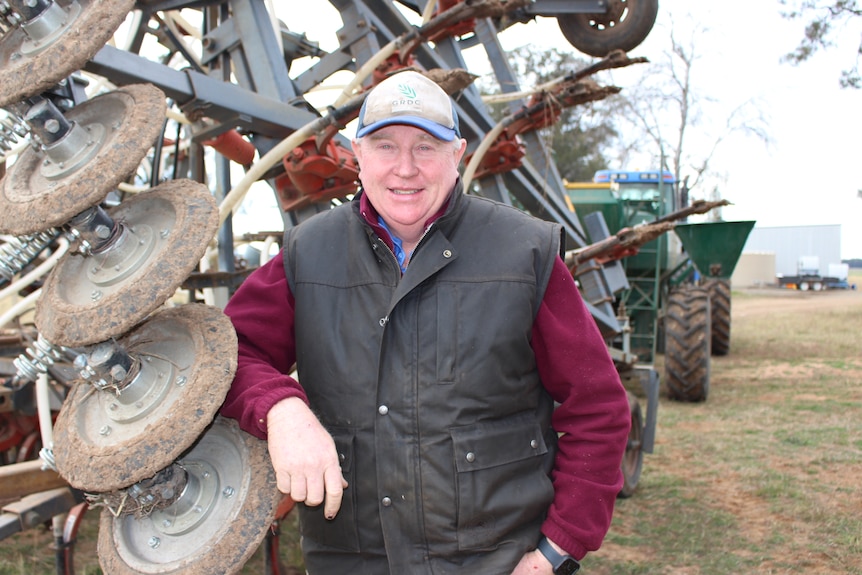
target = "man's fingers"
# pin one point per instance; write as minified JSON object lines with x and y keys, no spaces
{"x":298,"y":489}
{"x":335,"y":486}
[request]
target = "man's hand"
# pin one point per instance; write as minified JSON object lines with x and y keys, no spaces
{"x":533,"y":563}
{"x":304,"y":457}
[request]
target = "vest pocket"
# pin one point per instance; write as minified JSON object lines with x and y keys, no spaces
{"x":501,"y":483}
{"x":341,"y":532}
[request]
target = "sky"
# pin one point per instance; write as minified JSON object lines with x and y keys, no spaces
{"x":807,"y":174}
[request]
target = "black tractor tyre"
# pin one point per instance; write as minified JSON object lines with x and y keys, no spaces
{"x":719,"y":305}
{"x":688,"y":339}
{"x":624,"y":26}
{"x":633,"y":459}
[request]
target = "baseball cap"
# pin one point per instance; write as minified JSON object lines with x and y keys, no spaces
{"x":409,"y":98}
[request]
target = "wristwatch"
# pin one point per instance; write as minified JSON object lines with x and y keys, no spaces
{"x":562,"y":564}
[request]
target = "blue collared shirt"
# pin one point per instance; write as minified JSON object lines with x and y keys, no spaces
{"x":397,"y":246}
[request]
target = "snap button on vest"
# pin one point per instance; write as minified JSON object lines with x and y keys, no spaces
{"x":447,"y":253}
{"x":471,"y":457}
{"x":534,"y":444}
{"x":386,"y":501}
{"x":382,"y":410}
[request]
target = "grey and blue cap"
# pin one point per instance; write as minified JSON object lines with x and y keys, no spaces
{"x":409,"y":98}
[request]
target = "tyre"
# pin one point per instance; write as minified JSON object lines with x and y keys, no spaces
{"x":688,"y":338}
{"x":623,"y":27}
{"x":719,"y":314}
{"x":633,"y":459}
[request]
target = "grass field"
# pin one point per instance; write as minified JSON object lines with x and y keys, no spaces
{"x":763,"y":478}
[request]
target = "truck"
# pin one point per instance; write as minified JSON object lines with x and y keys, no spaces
{"x":809,"y":277}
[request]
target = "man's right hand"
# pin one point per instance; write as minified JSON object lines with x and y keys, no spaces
{"x":304,"y":456}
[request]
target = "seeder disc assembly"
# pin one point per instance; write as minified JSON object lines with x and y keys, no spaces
{"x":227,"y":504}
{"x":183,"y":361}
{"x":162,"y":235}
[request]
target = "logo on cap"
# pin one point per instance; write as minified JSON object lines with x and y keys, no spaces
{"x":407,"y":91}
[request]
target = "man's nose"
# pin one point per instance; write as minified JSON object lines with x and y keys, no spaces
{"x":405,"y":163}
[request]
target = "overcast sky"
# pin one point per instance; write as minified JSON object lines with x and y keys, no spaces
{"x":810,"y":174}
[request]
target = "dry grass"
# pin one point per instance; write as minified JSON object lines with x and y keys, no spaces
{"x":762,"y":478}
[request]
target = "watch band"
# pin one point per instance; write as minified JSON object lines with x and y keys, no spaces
{"x":562,"y":564}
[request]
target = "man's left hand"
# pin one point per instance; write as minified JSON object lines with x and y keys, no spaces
{"x":533,"y":563}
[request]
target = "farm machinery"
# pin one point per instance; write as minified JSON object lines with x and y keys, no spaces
{"x":678,"y":296}
{"x":132,"y":133}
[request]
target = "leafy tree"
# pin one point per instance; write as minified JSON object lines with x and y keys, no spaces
{"x":821,"y":20}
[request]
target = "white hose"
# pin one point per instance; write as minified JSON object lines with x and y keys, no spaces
{"x":264,"y":252}
{"x":258,"y":169}
{"x":20,"y":307}
{"x":480,"y":152}
{"x":366,"y":70}
{"x":43,"y":408}
{"x":37,"y":272}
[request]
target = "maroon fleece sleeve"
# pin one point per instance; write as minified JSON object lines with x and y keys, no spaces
{"x":262,"y":312}
{"x":592,"y":418}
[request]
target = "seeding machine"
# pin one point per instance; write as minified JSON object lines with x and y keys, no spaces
{"x":131,"y":133}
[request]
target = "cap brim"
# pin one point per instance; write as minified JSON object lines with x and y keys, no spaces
{"x":433,"y":128}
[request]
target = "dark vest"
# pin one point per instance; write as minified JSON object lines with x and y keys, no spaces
{"x":428,"y":384}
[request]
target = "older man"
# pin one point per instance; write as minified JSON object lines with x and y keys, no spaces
{"x":433,"y":332}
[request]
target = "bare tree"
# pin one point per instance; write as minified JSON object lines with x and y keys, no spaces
{"x":678,"y":127}
{"x":822,"y":18}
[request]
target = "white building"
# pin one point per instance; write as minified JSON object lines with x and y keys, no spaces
{"x":790,"y":243}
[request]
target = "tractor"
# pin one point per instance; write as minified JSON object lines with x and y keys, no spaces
{"x":678,"y":297}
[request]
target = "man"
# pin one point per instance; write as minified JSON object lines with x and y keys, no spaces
{"x":432,"y":333}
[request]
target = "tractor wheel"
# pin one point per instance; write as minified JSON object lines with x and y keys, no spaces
{"x":719,"y":310}
{"x":687,"y":345}
{"x":633,"y":458}
{"x":623,"y":27}
{"x":217,"y":523}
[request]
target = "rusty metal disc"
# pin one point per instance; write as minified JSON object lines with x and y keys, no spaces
{"x":105,"y":440}
{"x":36,"y":194}
{"x":60,"y":43}
{"x":234,"y":499}
{"x":90,"y":299}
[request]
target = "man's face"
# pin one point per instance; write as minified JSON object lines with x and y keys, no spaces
{"x":407,"y":174}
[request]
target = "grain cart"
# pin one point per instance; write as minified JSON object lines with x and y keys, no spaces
{"x":133,"y":130}
{"x":678,"y":299}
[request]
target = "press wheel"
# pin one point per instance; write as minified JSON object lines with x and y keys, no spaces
{"x":37,"y":195}
{"x":234,"y":502}
{"x":623,"y":26}
{"x":90,"y":299}
{"x":29,"y":67}
{"x":105,"y":441}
